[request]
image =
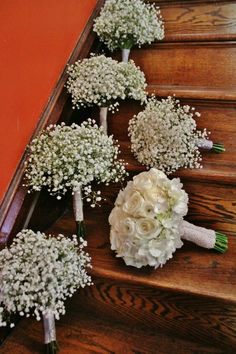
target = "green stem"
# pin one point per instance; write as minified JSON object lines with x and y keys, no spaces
{"x":80,"y":229}
{"x":217,"y":147}
{"x":51,"y":348}
{"x":221,"y":244}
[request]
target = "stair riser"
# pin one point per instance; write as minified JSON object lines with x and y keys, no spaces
{"x":208,"y":65}
{"x":182,"y":315}
{"x":202,"y":20}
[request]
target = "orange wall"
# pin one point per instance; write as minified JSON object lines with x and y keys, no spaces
{"x":36,"y":40}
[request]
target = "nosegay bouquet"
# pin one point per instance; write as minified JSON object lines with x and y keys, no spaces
{"x":164,"y":135}
{"x":125,"y":23}
{"x":70,"y":158}
{"x":102,"y":82}
{"x":37,"y":274}
{"x":147,"y":223}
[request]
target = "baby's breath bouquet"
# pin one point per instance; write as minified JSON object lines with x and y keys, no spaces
{"x":147,"y":223}
{"x":102,"y":82}
{"x":69,"y":158}
{"x":125,"y":23}
{"x":37,"y":274}
{"x":164,"y":136}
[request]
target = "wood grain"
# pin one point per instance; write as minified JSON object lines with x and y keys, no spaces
{"x":202,"y":20}
{"x":87,"y":329}
{"x":199,"y":64}
{"x":198,"y":275}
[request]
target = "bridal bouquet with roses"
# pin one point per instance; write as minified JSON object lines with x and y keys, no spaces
{"x":147,"y":224}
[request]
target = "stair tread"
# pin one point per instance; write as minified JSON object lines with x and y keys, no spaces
{"x":84,"y":332}
{"x":216,"y":167}
{"x":192,"y":269}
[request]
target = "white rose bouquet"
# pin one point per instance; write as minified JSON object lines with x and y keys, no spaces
{"x":102,"y":81}
{"x":125,"y":23}
{"x":147,"y":223}
{"x":69,"y":158}
{"x":165,"y":136}
{"x":37,"y":274}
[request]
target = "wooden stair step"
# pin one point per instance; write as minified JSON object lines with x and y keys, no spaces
{"x":193,"y":20}
{"x":193,"y":295}
{"x":188,"y":64}
{"x":83,"y":330}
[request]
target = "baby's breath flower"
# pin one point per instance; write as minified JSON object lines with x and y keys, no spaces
{"x":124,"y":23}
{"x":164,"y":136}
{"x":39,"y":272}
{"x":103,"y":81}
{"x":64,"y":158}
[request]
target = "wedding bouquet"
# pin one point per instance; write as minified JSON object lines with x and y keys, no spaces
{"x":70,"y":158}
{"x":165,"y":136}
{"x":103,"y":81}
{"x":147,"y":223}
{"x":125,"y":23}
{"x":37,"y":274}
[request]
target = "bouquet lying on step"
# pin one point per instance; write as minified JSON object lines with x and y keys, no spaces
{"x":125,"y":23}
{"x":164,"y":135}
{"x":37,"y":274}
{"x":69,"y":158}
{"x":102,"y":82}
{"x":147,"y":223}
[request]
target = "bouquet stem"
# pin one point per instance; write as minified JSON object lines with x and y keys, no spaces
{"x":51,"y":346}
{"x":103,"y":118}
{"x":209,"y":145}
{"x":204,"y":237}
{"x":78,"y":211}
{"x":125,"y":55}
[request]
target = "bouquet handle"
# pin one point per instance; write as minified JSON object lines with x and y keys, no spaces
{"x":209,"y":145}
{"x":203,"y":237}
{"x":103,"y":118}
{"x":125,"y":55}
{"x":51,"y":346}
{"x":78,"y":210}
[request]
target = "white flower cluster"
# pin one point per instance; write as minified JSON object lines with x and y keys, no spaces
{"x":64,"y":157}
{"x":146,"y":220}
{"x":124,"y":23}
{"x":164,"y":135}
{"x":102,"y":81}
{"x":38,"y":273}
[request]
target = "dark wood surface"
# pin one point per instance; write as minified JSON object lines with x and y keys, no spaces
{"x":192,"y":270}
{"x":86,"y":329}
{"x":199,"y":64}
{"x":199,"y":20}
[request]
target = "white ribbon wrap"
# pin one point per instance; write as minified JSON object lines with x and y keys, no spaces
{"x":49,"y":327}
{"x":205,"y":144}
{"x":199,"y":235}
{"x":103,"y":118}
{"x":78,"y":204}
{"x":125,"y":55}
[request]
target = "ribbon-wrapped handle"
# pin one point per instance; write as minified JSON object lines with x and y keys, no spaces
{"x":203,"y":237}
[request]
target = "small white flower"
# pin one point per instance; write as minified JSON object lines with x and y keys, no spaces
{"x":46,"y":270}
{"x":164,"y":136}
{"x":124,"y":23}
{"x":102,"y":81}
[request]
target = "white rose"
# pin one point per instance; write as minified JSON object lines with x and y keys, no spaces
{"x":129,"y":227}
{"x":116,"y":217}
{"x":148,"y":227}
{"x":134,"y":205}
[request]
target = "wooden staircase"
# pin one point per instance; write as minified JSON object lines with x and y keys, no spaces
{"x":188,"y":306}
